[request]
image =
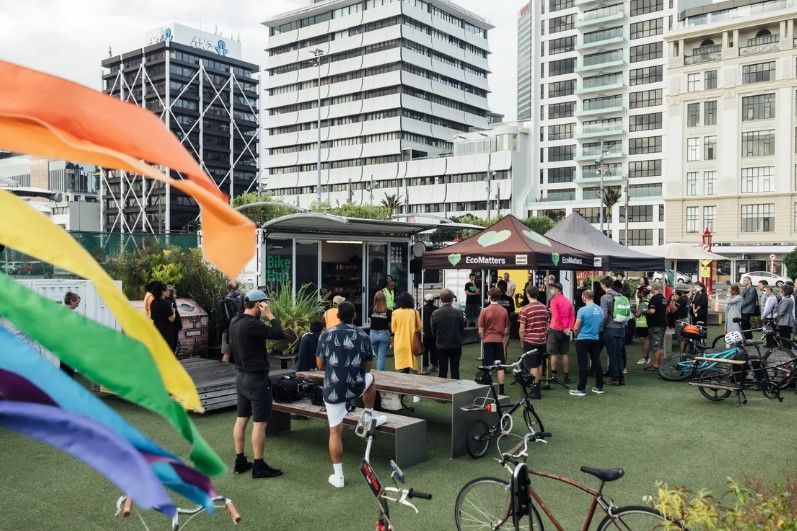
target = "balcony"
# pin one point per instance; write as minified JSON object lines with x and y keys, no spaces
{"x":601,"y":107}
{"x":593,"y":154}
{"x":704,"y":54}
{"x":601,"y":84}
{"x":598,"y":17}
{"x":587,"y":3}
{"x":613,"y":41}
{"x":600,"y":61}
{"x":592,"y":179}
{"x":601,"y":130}
{"x":759,"y":45}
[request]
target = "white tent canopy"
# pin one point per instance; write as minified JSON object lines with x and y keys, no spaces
{"x":684,"y":251}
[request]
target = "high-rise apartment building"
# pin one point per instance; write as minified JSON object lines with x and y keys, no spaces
{"x":732,"y":145}
{"x":396,"y":81}
{"x":597,"y":104}
{"x":525,"y":64}
{"x":199,"y":86}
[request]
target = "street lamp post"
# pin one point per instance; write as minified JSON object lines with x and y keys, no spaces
{"x":490,"y":175}
{"x":599,"y":170}
{"x":318,"y":53}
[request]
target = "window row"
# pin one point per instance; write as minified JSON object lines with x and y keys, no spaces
{"x":692,"y":218}
{"x":709,"y":113}
{"x":709,"y":148}
{"x":695,"y":187}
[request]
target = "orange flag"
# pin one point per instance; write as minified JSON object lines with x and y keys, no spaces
{"x":48,"y":116}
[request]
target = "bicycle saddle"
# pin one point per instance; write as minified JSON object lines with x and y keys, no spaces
{"x":604,"y":474}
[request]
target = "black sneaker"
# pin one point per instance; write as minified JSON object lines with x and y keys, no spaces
{"x":264,"y":471}
{"x":567,"y":378}
{"x":536,"y":394}
{"x":242,"y":465}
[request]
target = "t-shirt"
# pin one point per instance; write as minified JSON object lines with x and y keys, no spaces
{"x":248,"y":337}
{"x":305,"y":360}
{"x":534,"y":320}
{"x":507,"y":303}
{"x":471,"y":297}
{"x":380,"y":320}
{"x":493,"y":320}
{"x":346,"y":350}
{"x":591,"y":317}
{"x":562,"y":316}
{"x":658,"y":319}
{"x":510,"y":288}
{"x":681,"y":307}
{"x":331,"y":318}
{"x":701,"y":301}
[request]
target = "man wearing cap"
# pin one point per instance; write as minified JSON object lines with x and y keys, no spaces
{"x":248,"y":335}
{"x":331,"y":316}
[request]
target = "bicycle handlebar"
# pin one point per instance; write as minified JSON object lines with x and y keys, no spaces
{"x":498,"y":366}
{"x":412,"y":493}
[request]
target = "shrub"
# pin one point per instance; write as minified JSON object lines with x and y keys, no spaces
{"x":295,"y":315}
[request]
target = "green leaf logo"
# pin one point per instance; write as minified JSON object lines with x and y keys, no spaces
{"x":555,"y":258}
{"x":454,"y":259}
{"x":531,"y":235}
{"x":491,"y":238}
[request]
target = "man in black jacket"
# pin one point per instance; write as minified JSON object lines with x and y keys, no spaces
{"x":448,"y":327}
{"x":749,"y":306}
{"x":248,"y":335}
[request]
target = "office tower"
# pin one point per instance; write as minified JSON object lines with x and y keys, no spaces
{"x":525,"y":64}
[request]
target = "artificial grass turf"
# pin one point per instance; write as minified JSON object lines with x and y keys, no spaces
{"x":653,"y":429}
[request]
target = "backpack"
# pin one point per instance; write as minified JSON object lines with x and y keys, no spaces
{"x":228,"y":308}
{"x":285,"y":389}
{"x":621,"y":307}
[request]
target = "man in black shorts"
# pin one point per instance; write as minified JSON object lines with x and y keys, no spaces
{"x":533,"y":331}
{"x":494,"y":331}
{"x":248,"y":335}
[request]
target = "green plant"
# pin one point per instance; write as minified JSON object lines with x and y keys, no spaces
{"x":790,"y":261}
{"x":295,"y":315}
{"x":392,"y":202}
{"x":354,"y":210}
{"x":260,"y":214}
{"x":750,"y":504}
{"x":539,"y":224}
{"x":611,"y":196}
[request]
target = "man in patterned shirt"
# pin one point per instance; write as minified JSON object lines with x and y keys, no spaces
{"x":344,"y":354}
{"x":533,"y":332}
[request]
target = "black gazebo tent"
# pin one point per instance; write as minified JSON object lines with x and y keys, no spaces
{"x":580,"y":234}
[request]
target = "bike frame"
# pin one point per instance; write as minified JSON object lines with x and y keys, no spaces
{"x":509,"y":409}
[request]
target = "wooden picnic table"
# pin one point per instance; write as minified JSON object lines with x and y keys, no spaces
{"x":460,"y":393}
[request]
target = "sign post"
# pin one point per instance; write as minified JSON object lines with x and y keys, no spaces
{"x":708,"y":269}
{"x":772,"y":258}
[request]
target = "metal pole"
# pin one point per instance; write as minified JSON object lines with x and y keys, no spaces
{"x":318,"y":53}
{"x":167,"y":217}
{"x":600,"y":174}
{"x":489,"y":189}
{"x":232,"y":135}
{"x":626,"y":209}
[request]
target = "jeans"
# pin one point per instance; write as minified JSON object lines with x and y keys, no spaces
{"x":589,"y":350}
{"x":429,"y":351}
{"x":380,"y":343}
{"x":446,"y":356}
{"x":746,"y":326}
{"x":615,"y":339}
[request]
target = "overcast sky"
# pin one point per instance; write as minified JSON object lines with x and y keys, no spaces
{"x":69,"y":38}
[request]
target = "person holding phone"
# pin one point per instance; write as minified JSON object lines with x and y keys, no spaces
{"x":248,"y":335}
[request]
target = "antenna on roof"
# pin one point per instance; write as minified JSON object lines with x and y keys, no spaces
{"x":110,"y":52}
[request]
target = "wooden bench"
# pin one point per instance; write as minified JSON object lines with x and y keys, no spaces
{"x":409,"y":434}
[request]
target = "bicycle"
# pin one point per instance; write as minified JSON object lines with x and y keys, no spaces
{"x":383,"y":494}
{"x":479,"y":432}
{"x":124,"y":507}
{"x":492,"y":503}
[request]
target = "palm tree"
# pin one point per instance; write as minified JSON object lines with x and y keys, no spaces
{"x":611,"y":196}
{"x":392,"y":202}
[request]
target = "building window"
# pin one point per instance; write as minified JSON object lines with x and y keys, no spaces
{"x":602,"y":35}
{"x":591,"y":214}
{"x":561,"y":67}
{"x":642,"y":7}
{"x":758,"y":72}
{"x":561,"y":88}
{"x":645,"y":98}
{"x":561,"y":45}
{"x":638,"y":213}
{"x":648,"y":144}
{"x":709,"y":213}
{"x":710,"y":112}
{"x":758,"y":218}
{"x":757,"y":180}
{"x":710,"y":148}
{"x":644,"y":122}
{"x":644,"y":168}
{"x":708,"y":182}
{"x":692,"y":219}
{"x":561,"y":110}
{"x":691,"y":184}
{"x":557,"y":24}
{"x":647,"y":28}
{"x":637,"y":237}
{"x":694,"y":82}
{"x":758,"y":143}
{"x":558,"y":5}
{"x":561,"y":175}
{"x":644,"y":190}
{"x":560,"y":153}
{"x":692,"y":149}
{"x":692,"y":114}
{"x":761,"y":107}
{"x":646,"y":52}
{"x":561,"y":195}
{"x":710,"y":79}
{"x":560,"y":132}
{"x":642,"y":76}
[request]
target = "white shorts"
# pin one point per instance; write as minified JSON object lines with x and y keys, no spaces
{"x":337,"y":412}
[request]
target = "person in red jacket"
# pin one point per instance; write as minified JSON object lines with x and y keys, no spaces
{"x":560,"y":330}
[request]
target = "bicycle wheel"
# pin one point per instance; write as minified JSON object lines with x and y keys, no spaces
{"x":715,"y":395}
{"x":676,"y":367}
{"x":780,"y":365}
{"x":484,"y":504}
{"x":478,"y":439}
{"x":533,"y":422}
{"x":634,"y":517}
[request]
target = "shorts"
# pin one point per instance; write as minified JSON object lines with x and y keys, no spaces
{"x":532,"y":361}
{"x":657,"y":337}
{"x":642,"y":331}
{"x":558,"y":342}
{"x":254,"y":395}
{"x":225,"y":343}
{"x":472,"y":311}
{"x":337,"y":412}
{"x":493,"y":352}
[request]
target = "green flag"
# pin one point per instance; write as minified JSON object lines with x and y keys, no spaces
{"x":105,"y":356}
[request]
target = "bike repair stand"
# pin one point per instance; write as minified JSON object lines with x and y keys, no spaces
{"x":547,"y":378}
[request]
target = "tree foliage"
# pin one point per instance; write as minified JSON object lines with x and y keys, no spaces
{"x":392,"y":202}
{"x":353,"y":210}
{"x":790,"y":261}
{"x":262,"y":213}
{"x":611,"y":196}
{"x":539,"y":224}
